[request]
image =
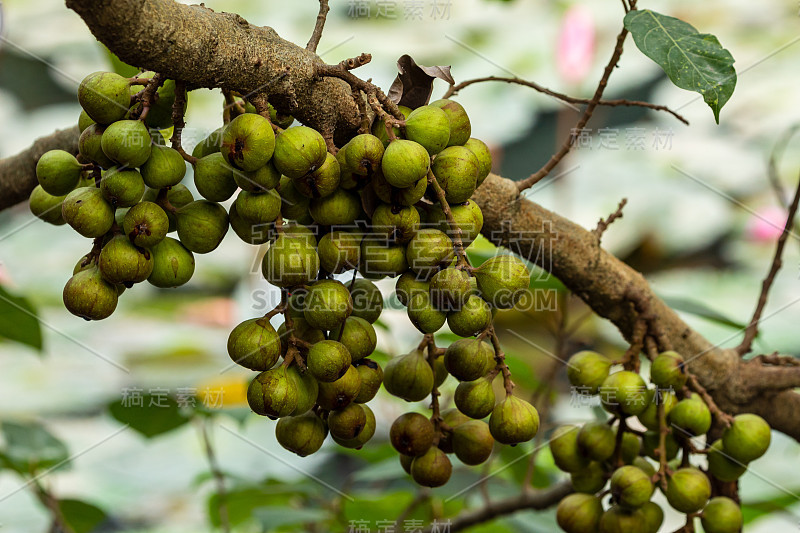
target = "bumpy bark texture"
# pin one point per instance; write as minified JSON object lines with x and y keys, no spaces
{"x":208,"y":49}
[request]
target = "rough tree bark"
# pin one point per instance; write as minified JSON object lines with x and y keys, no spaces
{"x":208,"y":49}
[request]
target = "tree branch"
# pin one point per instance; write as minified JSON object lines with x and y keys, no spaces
{"x":313,"y":42}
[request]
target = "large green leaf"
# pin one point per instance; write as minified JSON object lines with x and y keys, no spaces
{"x":18,"y":320}
{"x":80,"y":516}
{"x":30,"y":448}
{"x":275,"y":517}
{"x":693,"y":61}
{"x":151,"y":415}
{"x":702,"y":310}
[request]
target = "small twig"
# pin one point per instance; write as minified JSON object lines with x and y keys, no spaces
{"x":663,"y":430}
{"x":752,"y":329}
{"x":362,"y":111}
{"x":51,"y":502}
{"x":463,"y":264}
{"x":718,"y":413}
{"x":339,"y":71}
{"x":216,"y":472}
{"x":617,"y":457}
{"x":178,"y":110}
{"x":501,"y":366}
{"x":602,"y":225}
{"x":313,"y":42}
{"x":355,"y":62}
{"x":436,"y":417}
{"x":149,"y":95}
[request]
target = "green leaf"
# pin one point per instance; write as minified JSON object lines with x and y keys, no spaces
{"x":119,"y":66}
{"x":149,"y":414}
{"x":693,"y":61}
{"x":18,"y":321}
{"x":242,"y":501}
{"x":30,"y":448}
{"x":701,"y":310}
{"x":80,"y":516}
{"x":274,"y":517}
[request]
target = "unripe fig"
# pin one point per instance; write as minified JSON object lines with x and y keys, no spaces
{"x":347,"y":423}
{"x":650,"y":445}
{"x":127,"y":142}
{"x":290,"y":260}
{"x":644,"y":465}
{"x":90,"y":146}
{"x":84,"y":121}
{"x":363,"y":154}
{"x":484,"y":156}
{"x":456,"y":170}
{"x":371,"y":376}
{"x":424,"y":315}
{"x":473,"y":318}
{"x":209,"y":145}
{"x":475,"y":398}
{"x":624,"y":393}
{"x":449,"y":289}
{"x":265,"y":178}
{"x":429,"y":249}
{"x":588,"y":370}
{"x":596,"y":440}
{"x":590,"y":479}
{"x":453,"y":418}
{"x":379,"y":126}
{"x":472,"y":442}
{"x":722,"y":515}
{"x":631,"y":487}
{"x":408,"y":286}
{"x":178,"y":196}
{"x":328,"y":304}
{"x":429,"y":126}
{"x":307,"y":390}
{"x":300,"y":330}
{"x":502,"y":280}
{"x":328,"y":360}
{"x":721,"y":465}
{"x":653,"y":517}
{"x":432,"y":469}
{"x":105,"y":96}
{"x":649,"y":417}
{"x":389,"y":194}
{"x":247,"y":231}
{"x":367,"y":300}
{"x":213,"y":177}
{"x":579,"y":513}
{"x":272,"y":393}
{"x":469,"y":359}
{"x":122,"y":187}
{"x":122,"y":262}
{"x":747,"y":438}
{"x":338,"y":209}
{"x":398,"y":224}
{"x":411,"y":434}
{"x":145,"y":224}
{"x":379,"y":258}
{"x":248,"y":142}
{"x":337,"y":394}
{"x":347,"y":178}
{"x":460,"y":127}
{"x":298,"y":151}
{"x":254,"y":344}
{"x":404,"y":163}
{"x":339,"y":251}
{"x":564,"y":447}
{"x":173,"y":264}
{"x":513,"y":421}
{"x":302,"y":434}
{"x":258,"y":208}
{"x":160,"y":113}
{"x":164,"y":168}
{"x":668,"y":371}
{"x":690,"y":416}
{"x":631,"y":446}
{"x":281,"y":120}
{"x":468,"y":218}
{"x":46,"y":206}
{"x":87,"y":212}
{"x":89,"y":296}
{"x":294,"y":205}
{"x":202,"y":225}
{"x":322,"y":181}
{"x":620,"y":520}
{"x":408,"y":376}
{"x":364,"y":435}
{"x":688,"y":490}
{"x":357,"y":335}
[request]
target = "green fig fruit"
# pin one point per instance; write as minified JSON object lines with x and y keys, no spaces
{"x":408,"y":286}
{"x":367,"y":300}
{"x":160,"y":113}
{"x":58,"y":172}
{"x":258,"y":208}
{"x":338,"y":209}
{"x":565,"y":449}
{"x":404,"y":163}
{"x":357,"y":335}
{"x":371,"y":376}
{"x":449,"y":289}
{"x":254,"y":344}
{"x":379,"y":258}
{"x":588,"y":370}
{"x":89,"y":296}
{"x":87,"y":212}
{"x":122,"y":187}
{"x":213,"y":177}
{"x":649,"y":417}
{"x":290,"y":261}
{"x":453,"y":418}
{"x":513,"y":421}
{"x":122,"y":262}
{"x":688,"y":490}
{"x":173,"y":264}
{"x":408,"y":376}
{"x":209,"y":145}
{"x":298,"y":151}
{"x":484,"y":156}
{"x":624,"y":393}
{"x":202,"y":225}
{"x":337,"y":394}
{"x":722,"y":515}
{"x":364,"y":435}
{"x":302,"y":434}
{"x":579,"y":513}
{"x":322,"y":181}
{"x":145,"y":224}
{"x":405,"y":196}
{"x":621,"y":520}
{"x":46,"y":206}
{"x":348,"y":422}
{"x":398,"y":224}
{"x":84,"y":121}
{"x":363,"y":154}
{"x":411,"y":434}
{"x":653,"y":517}
{"x":429,"y":126}
{"x":90,"y":146}
{"x":281,"y":120}
{"x":469,"y":359}
{"x":328,"y":360}
{"x":473,"y":318}
{"x":428,"y":250}
{"x":248,"y":142}
{"x":645,"y":466}
{"x":502,"y":280}
{"x":650,"y":445}
{"x":176,"y":197}
{"x":631,"y":487}
{"x":307,"y":390}
{"x":379,"y":126}
{"x":631,"y":446}
{"x":272,"y":393}
{"x":456,"y":169}
{"x":596,"y":440}
{"x":721,"y":465}
{"x":668,"y":371}
{"x":301,"y":330}
{"x":265,"y":178}
{"x":475,"y":398}
{"x":105,"y":96}
{"x":590,"y":480}
{"x":747,"y":438}
{"x":472,"y":442}
{"x":248,"y":231}
{"x":294,"y":205}
{"x":339,"y":251}
{"x":424,"y":315}
{"x":460,"y":127}
{"x":690,"y":417}
{"x":328,"y":304}
{"x":432,"y":469}
{"x":127,"y":142}
{"x":164,"y":168}
{"x":467,"y":216}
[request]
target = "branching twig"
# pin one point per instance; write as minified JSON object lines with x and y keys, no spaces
{"x":216,"y":472}
{"x":343,"y":73}
{"x":603,"y":225}
{"x":178,"y":109}
{"x":454,"y":228}
{"x":313,"y":42}
{"x":500,"y":357}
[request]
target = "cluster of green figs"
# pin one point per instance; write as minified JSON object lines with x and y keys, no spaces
{"x":626,"y":463}
{"x":393,"y":202}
